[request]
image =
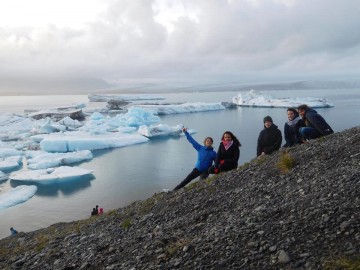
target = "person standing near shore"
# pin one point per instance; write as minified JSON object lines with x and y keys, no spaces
{"x":315,"y":124}
{"x":228,"y":154}
{"x":206,"y":156}
{"x":270,"y":138}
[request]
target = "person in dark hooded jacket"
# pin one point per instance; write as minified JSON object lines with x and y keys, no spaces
{"x":291,"y":128}
{"x":316,"y":126}
{"x":270,"y":138}
{"x":206,"y":156}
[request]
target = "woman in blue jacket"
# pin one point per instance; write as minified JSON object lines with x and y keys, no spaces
{"x":206,"y":156}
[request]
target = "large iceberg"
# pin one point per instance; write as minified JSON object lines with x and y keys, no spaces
{"x":257,"y":99}
{"x":17,"y":195}
{"x":9,"y":163}
{"x":42,"y":160}
{"x":50,"y":175}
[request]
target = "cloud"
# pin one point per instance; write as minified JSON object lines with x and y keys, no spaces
{"x":190,"y":40}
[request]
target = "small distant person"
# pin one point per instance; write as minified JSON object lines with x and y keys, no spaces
{"x":291,"y":128}
{"x":227,"y":155}
{"x":101,"y":211}
{"x":13,"y":231}
{"x":94,"y":212}
{"x":315,"y":124}
{"x":97,"y":209}
{"x":270,"y":138}
{"x":206,"y":156}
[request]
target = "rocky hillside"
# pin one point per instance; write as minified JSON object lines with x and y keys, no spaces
{"x":298,"y":209}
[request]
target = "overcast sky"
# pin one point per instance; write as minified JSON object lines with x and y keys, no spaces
{"x":172,"y":40}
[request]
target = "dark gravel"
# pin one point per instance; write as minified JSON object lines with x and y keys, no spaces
{"x":256,"y":217}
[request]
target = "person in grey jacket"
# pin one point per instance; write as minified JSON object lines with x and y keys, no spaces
{"x":206,"y":156}
{"x":315,"y":124}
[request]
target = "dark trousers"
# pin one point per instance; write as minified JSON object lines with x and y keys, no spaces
{"x":192,"y":175}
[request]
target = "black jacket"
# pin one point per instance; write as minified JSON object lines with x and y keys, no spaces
{"x":291,"y":133}
{"x":269,"y":140}
{"x":230,"y":157}
{"x":315,"y":120}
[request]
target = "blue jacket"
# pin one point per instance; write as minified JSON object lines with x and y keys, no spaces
{"x":206,"y":155}
{"x":315,"y":120}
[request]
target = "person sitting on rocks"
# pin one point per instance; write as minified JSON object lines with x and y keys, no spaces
{"x":227,"y":155}
{"x":270,"y":138}
{"x":315,"y":124}
{"x":291,"y":128}
{"x":206,"y":156}
{"x":101,"y":211}
{"x":13,"y":231}
{"x":94,"y":212}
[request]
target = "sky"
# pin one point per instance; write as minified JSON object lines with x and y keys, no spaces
{"x":102,"y":43}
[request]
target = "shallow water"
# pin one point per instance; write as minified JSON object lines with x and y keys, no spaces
{"x":124,"y":175}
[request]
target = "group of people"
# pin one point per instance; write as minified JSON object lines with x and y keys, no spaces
{"x":97,"y":211}
{"x":303,"y":124}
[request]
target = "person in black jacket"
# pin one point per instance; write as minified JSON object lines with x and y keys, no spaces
{"x":270,"y":138}
{"x":227,"y":155}
{"x":316,"y":126}
{"x":291,"y":128}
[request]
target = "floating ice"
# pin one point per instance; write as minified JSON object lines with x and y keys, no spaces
{"x":50,"y":175}
{"x":8,"y":152}
{"x":75,"y":141}
{"x":256,"y":99}
{"x":160,"y":130}
{"x":105,"y":98}
{"x":10,"y":163}
{"x":42,"y":160}
{"x":17,"y":195}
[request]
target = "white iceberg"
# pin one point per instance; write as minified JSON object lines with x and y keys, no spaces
{"x":15,"y":123}
{"x":182,"y":108}
{"x":160,"y":130}
{"x":10,"y":163}
{"x":17,"y":195}
{"x":256,"y":99}
{"x":50,"y":175}
{"x":3,"y":176}
{"x":8,"y":152}
{"x":42,"y":160}
{"x":76,"y":141}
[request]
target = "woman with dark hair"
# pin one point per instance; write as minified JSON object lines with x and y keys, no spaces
{"x":206,"y":156}
{"x":227,"y":155}
{"x":315,"y":124}
{"x":291,"y":128}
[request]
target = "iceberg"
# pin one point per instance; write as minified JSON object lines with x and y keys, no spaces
{"x":43,"y":160}
{"x":76,"y":141}
{"x":17,"y":195}
{"x":160,"y":130}
{"x":8,"y":152}
{"x":10,"y":163}
{"x":256,"y":99}
{"x":50,"y":175}
{"x":182,"y":108}
{"x":14,"y":123}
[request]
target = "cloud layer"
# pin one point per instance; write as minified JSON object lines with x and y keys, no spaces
{"x":235,"y":40}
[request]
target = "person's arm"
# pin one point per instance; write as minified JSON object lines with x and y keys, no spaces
{"x":320,"y":124}
{"x":287,"y":135}
{"x":259,"y":147}
{"x":194,"y":143}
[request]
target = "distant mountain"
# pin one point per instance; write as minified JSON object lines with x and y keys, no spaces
{"x":50,"y":86}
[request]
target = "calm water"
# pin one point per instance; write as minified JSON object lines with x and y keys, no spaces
{"x":124,"y":175}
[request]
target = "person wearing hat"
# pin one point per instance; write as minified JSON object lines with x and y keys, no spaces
{"x":291,"y":128}
{"x":315,"y":124}
{"x":270,"y":138}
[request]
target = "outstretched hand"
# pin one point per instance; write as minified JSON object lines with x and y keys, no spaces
{"x":184,"y":129}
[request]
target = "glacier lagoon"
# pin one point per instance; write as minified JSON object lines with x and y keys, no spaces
{"x":123,"y":175}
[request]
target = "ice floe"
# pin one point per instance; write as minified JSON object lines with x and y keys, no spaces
{"x":17,"y":195}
